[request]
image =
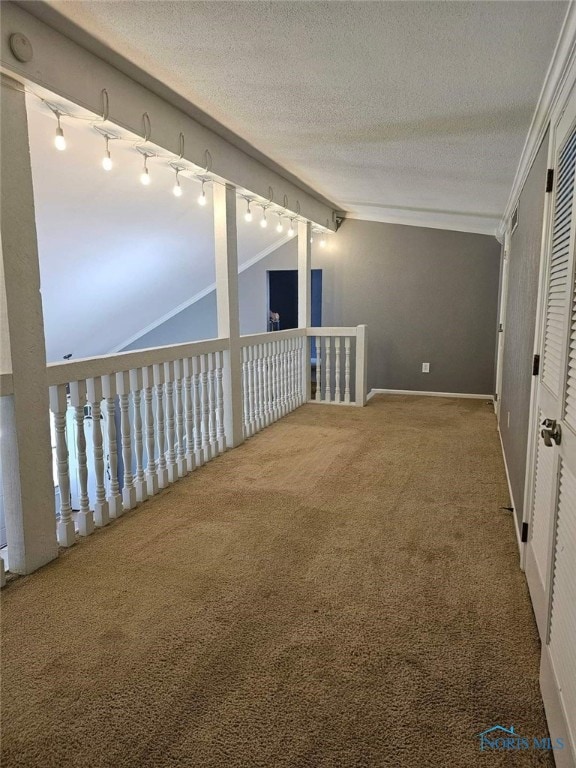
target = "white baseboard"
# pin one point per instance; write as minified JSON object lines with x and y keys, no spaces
{"x":514,"y":515}
{"x":555,"y":712}
{"x":427,"y":394}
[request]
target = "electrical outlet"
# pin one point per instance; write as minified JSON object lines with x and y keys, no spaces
{"x":425,"y":367}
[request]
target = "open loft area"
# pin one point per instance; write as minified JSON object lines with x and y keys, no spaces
{"x":287,"y":382}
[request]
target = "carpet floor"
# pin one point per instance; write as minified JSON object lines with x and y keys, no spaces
{"x":342,"y":591}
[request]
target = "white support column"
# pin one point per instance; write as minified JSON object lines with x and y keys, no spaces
{"x":304,"y":298}
{"x":28,"y":487}
{"x":226,"y":256}
{"x":361,"y":365}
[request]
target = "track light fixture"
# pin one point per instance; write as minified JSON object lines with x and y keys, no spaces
{"x":177,"y":189}
{"x":202,"y":198}
{"x":263,"y":220}
{"x":248,"y":215}
{"x":59,"y":140}
{"x":145,"y":176}
{"x":107,"y":160}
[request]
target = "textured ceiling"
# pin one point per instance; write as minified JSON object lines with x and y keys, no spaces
{"x":399,"y":111}
{"x":115,"y":256}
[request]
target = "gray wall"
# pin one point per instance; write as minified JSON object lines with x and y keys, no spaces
{"x":427,"y":295}
{"x":522,"y":294}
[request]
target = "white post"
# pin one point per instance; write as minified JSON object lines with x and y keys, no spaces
{"x":361,"y":365}
{"x":101,"y":510}
{"x":178,"y":388}
{"x":109,"y":392}
{"x":226,"y":257}
{"x":129,"y":489}
{"x":162,"y":469}
{"x":151,"y":465}
{"x":170,"y":423}
{"x":136,"y":384}
{"x":85,"y":518}
{"x":59,"y":406}
{"x":28,"y":486}
{"x":304,"y":298}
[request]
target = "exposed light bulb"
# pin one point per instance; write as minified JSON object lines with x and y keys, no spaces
{"x":311,"y":240}
{"x":59,"y":140}
{"x":248,"y":214}
{"x":202,"y":198}
{"x":263,"y":222}
{"x":323,"y":243}
{"x":279,"y":227}
{"x":177,"y":189}
{"x":145,"y":176}
{"x":291,"y":232}
{"x":107,"y":162}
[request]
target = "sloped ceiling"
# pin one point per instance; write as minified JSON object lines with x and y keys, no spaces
{"x":399,"y":111}
{"x":116,"y":256}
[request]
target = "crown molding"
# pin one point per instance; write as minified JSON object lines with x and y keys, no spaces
{"x":197,"y":296}
{"x":560,"y":74}
{"x":454,"y":221}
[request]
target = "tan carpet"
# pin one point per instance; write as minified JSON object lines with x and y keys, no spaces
{"x":341,"y":591}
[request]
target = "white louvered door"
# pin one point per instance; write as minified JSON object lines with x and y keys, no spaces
{"x":551,"y":551}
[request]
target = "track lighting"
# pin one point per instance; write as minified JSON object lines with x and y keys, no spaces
{"x":59,"y":140}
{"x":202,"y":198}
{"x":248,"y":214}
{"x":263,"y":221}
{"x":107,"y":160}
{"x":145,"y":176}
{"x":279,"y":227}
{"x":177,"y":189}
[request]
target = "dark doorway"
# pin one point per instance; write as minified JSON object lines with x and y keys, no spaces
{"x":283,"y":298}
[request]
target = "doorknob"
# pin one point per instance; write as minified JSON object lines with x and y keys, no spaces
{"x":551,"y":432}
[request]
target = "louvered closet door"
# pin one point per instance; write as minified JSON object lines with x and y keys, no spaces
{"x":551,"y":554}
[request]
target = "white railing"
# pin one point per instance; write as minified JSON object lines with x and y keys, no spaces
{"x":339,"y":365}
{"x":126,"y":426}
{"x":132,"y":424}
{"x":273,"y":383}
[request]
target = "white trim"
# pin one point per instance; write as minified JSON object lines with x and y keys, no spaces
{"x":559,"y":71}
{"x":521,"y":546}
{"x":197,"y":296}
{"x":428,"y":394}
{"x":454,"y":221}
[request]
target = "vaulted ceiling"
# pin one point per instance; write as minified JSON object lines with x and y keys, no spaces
{"x":414,"y":112}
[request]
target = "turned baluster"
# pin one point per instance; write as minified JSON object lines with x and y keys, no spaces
{"x":136,"y":385}
{"x":261,"y":394}
{"x":251,"y":391}
{"x":101,"y":509}
{"x":328,"y":371}
{"x":211,"y":364}
{"x":159,"y":380}
{"x":151,"y":465}
{"x":59,"y":406}
{"x":245,"y":392}
{"x":337,"y":369}
{"x":171,"y":466}
{"x":268,"y":383}
{"x":84,"y":518}
{"x":128,"y":489}
{"x":274,"y":394}
{"x":199,"y":453}
{"x":221,"y":433}
{"x":189,"y":408}
{"x":318,"y":395}
{"x":181,"y":463}
{"x":347,"y":369}
{"x":114,"y":497}
{"x":205,"y":407}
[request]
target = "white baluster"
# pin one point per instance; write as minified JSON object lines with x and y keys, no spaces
{"x":284,"y":377}
{"x":261,"y":389}
{"x":347,"y":369}
{"x":293,"y":361}
{"x":151,"y":465}
{"x":245,"y":393}
{"x":199,"y":454}
{"x":328,"y":371}
{"x":114,"y":497}
{"x":159,"y":380}
{"x":211,"y":362}
{"x":58,"y":406}
{"x":274,"y":393}
{"x":136,"y":385}
{"x":128,"y":489}
{"x":181,"y":462}
{"x":189,"y":407}
{"x":318,"y":395}
{"x":337,"y":369}
{"x":101,"y":510}
{"x":205,"y":407}
{"x":84,"y":518}
{"x":171,"y":465}
{"x":221,"y":434}
{"x":251,"y":391}
{"x":268,"y":384}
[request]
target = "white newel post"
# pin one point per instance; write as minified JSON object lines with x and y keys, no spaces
{"x":85,"y":518}
{"x":360,"y":381}
{"x":304,"y":298}
{"x":129,"y":489}
{"x":226,"y":257}
{"x":27,"y":483}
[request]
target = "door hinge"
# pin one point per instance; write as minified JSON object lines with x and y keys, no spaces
{"x":536,"y":365}
{"x":524,"y":536}
{"x":550,"y":180}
